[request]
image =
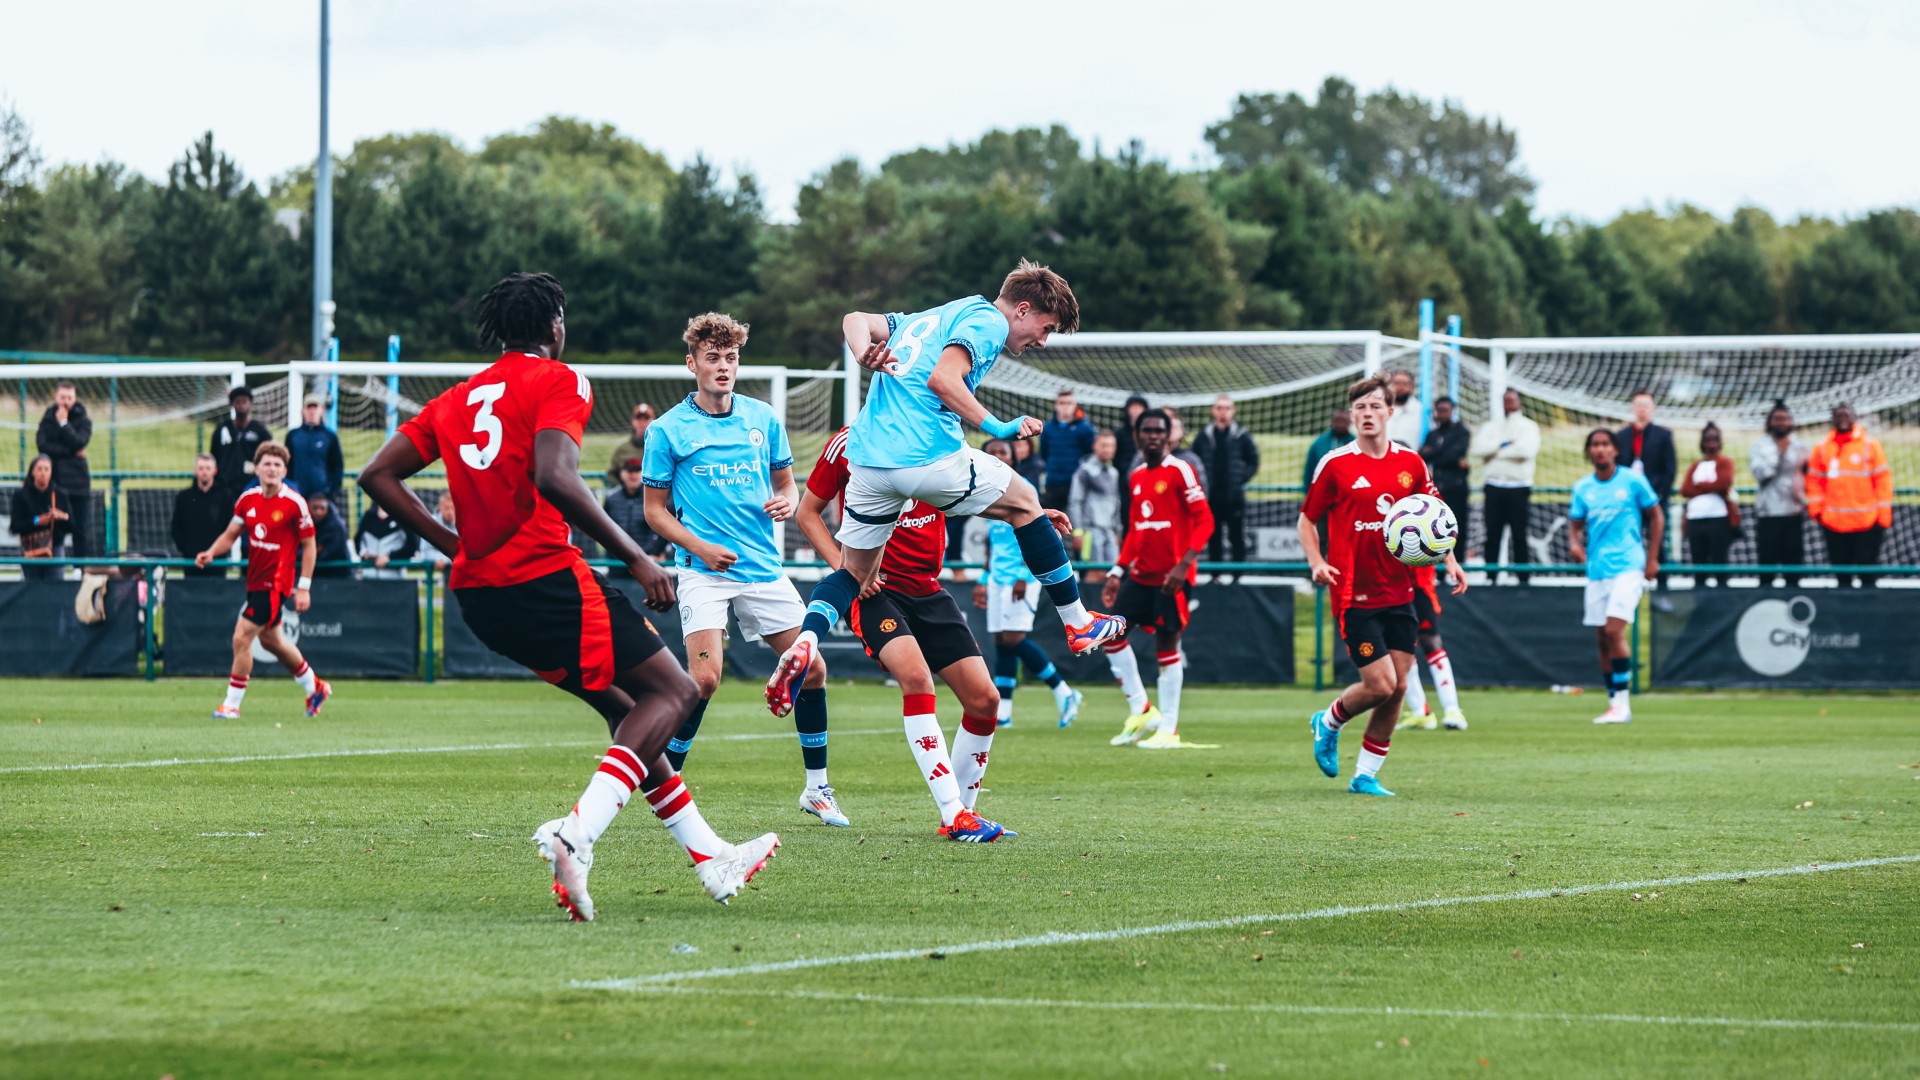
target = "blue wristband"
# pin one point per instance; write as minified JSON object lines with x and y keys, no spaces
{"x":1000,"y":429}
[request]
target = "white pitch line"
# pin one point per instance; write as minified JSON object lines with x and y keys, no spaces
{"x":387,"y":751}
{"x":1127,"y":932}
{"x":1383,"y":1011}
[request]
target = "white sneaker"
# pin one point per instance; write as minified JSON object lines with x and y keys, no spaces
{"x":819,"y":802}
{"x":1455,"y":720}
{"x":571,"y":860}
{"x":1614,"y":715}
{"x":727,"y":873}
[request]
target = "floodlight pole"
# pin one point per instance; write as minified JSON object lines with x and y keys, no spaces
{"x":323,"y":212}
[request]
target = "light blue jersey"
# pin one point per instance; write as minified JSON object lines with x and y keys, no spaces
{"x":718,"y":470}
{"x":1612,"y":509}
{"x":903,"y":423}
{"x":1005,"y":564}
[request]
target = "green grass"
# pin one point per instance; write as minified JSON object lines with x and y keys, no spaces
{"x":392,"y":918}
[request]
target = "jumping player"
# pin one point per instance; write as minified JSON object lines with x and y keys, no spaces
{"x":1605,"y":522}
{"x":914,"y":629}
{"x":1414,"y":711}
{"x":1169,"y":525}
{"x":718,"y":473}
{"x":510,"y":439}
{"x":1010,"y":596}
{"x":276,"y":522}
{"x":1372,"y":592}
{"x":906,"y":445}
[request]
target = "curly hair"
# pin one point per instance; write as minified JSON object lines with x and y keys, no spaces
{"x":519,"y":310}
{"x":716,"y":330}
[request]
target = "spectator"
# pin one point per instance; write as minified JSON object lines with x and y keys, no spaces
{"x":1177,"y":447}
{"x":234,"y":442}
{"x":64,"y":432}
{"x":329,"y":537}
{"x":1232,"y":461}
{"x":1094,"y":506}
{"x":1507,"y":449}
{"x":1778,"y":462}
{"x":1338,"y":434}
{"x":1712,"y":514}
{"x":199,"y":517}
{"x":1027,"y":464}
{"x":1445,"y":452}
{"x":39,"y":518}
{"x":1124,"y":449}
{"x":428,"y":553}
{"x":1647,"y":448}
{"x":1408,"y":423}
{"x":1064,"y":441}
{"x":1850,"y":493}
{"x":633,"y":449}
{"x":317,"y":467}
{"x":381,"y":540}
{"x":626,"y":505}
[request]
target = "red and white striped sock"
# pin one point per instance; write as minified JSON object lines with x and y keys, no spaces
{"x":1443,"y":685}
{"x":1372,"y":755}
{"x":1337,"y":714}
{"x":970,"y":747}
{"x":304,"y":676}
{"x":673,"y":804}
{"x":236,"y":689}
{"x":1172,"y":677}
{"x":607,"y":791}
{"x":1126,"y":671}
{"x":929,"y":748}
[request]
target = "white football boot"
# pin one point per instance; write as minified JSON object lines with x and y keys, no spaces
{"x":571,"y":859}
{"x":724,"y":875}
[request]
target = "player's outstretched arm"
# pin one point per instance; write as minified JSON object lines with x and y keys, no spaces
{"x":221,"y":545}
{"x":384,"y":481}
{"x":948,"y":381}
{"x":866,"y":335}
{"x":556,"y":474}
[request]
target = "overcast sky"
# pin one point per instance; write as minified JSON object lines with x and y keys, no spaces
{"x":1794,"y":107}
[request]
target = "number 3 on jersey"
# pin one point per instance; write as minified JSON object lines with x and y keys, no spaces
{"x":478,"y":455}
{"x":912,"y":344}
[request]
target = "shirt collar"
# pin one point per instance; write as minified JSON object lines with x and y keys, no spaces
{"x":695,"y":406}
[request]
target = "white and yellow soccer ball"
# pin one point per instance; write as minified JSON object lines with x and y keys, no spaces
{"x":1420,"y":530}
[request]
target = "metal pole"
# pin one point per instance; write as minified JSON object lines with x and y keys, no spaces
{"x":333,"y":386}
{"x":23,"y":426}
{"x":153,"y":593}
{"x":1453,"y":361}
{"x":1426,"y":363}
{"x":1496,"y":382}
{"x":849,"y":390}
{"x":779,"y":403}
{"x":429,"y":657}
{"x":110,"y":536}
{"x":323,"y":207}
{"x":1319,"y":638}
{"x":393,"y":386}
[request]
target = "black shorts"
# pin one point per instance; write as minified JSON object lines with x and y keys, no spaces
{"x":1148,"y":607}
{"x":1426,"y":610}
{"x":1371,"y":633}
{"x":569,"y":627}
{"x":933,"y":620}
{"x":263,"y":607}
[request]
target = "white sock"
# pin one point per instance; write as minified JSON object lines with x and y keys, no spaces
{"x":1006,"y":707}
{"x":304,"y":676}
{"x":816,"y":778}
{"x":1443,"y":683}
{"x":236,"y":689}
{"x":970,"y":747}
{"x":1622,"y":700}
{"x":1075,"y":614}
{"x":1126,"y":671}
{"x":611,"y":785}
{"x":1416,"y":698}
{"x":673,"y":804}
{"x":1173,"y":675}
{"x":1372,"y":756}
{"x":929,"y":748}
{"x":1061,"y":692}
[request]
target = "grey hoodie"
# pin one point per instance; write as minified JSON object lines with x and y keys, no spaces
{"x":1095,"y":503}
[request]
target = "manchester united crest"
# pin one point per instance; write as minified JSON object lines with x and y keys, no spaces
{"x":1160,"y":487}
{"x":887,"y":626}
{"x":1406,"y":479}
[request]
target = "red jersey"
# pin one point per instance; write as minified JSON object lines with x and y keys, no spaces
{"x":1354,"y":492}
{"x":484,"y":427}
{"x":1168,"y":517}
{"x":918,"y":546}
{"x":274,"y":528}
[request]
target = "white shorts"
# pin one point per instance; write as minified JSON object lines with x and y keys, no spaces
{"x":1617,"y":597}
{"x":763,"y":607}
{"x":961,"y":484}
{"x":1004,"y":613}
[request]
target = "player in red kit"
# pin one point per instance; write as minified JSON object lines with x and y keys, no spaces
{"x":510,"y":440}
{"x":274,"y":518}
{"x":911,"y":625}
{"x":1372,"y":592}
{"x":1169,"y":524}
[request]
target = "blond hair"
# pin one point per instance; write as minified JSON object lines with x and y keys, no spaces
{"x":715,"y":330}
{"x":1045,"y":290}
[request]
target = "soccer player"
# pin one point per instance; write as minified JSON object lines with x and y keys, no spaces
{"x":1414,"y":711}
{"x":1010,"y":596}
{"x":906,"y":445}
{"x":1169,"y":524}
{"x":510,"y":438}
{"x":1372,"y":592}
{"x":718,"y":473}
{"x":277,"y":524}
{"x":1614,"y":526}
{"x":912,"y":627}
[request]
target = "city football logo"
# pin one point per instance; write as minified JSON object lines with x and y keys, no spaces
{"x":1774,"y":636}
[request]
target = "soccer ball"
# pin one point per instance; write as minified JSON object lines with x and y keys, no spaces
{"x":1420,"y":530}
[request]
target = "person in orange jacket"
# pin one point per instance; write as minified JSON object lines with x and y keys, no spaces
{"x":1850,"y":493}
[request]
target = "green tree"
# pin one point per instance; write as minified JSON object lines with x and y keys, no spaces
{"x":1863,"y":279}
{"x":978,"y":234}
{"x":1306,"y":271}
{"x":1028,"y":159}
{"x":19,"y":221}
{"x":1629,"y":309}
{"x":83,"y":255}
{"x":709,"y":239}
{"x":1565,"y":299}
{"x":1727,"y":286}
{"x":572,"y":153}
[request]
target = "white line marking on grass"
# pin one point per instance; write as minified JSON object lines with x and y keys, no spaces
{"x":387,"y":751}
{"x":233,"y":834}
{"x":1290,"y":1010}
{"x":1126,"y":932}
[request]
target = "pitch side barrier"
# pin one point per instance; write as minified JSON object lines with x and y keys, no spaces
{"x":146,"y":618}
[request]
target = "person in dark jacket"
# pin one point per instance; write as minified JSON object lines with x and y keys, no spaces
{"x":381,"y":540}
{"x":1028,"y":465}
{"x":65,"y":430}
{"x":38,"y":516}
{"x":1123,"y":445}
{"x":1647,"y":448}
{"x":199,"y":517}
{"x":1064,"y":441}
{"x":329,"y":538}
{"x":234,"y":442}
{"x":1232,"y":461}
{"x":1445,"y":452}
{"x":317,"y":465}
{"x":626,"y":505}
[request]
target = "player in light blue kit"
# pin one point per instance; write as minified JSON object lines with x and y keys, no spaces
{"x":718,"y":473}
{"x":1604,"y":530}
{"x":907,"y":445}
{"x":1011,"y":596}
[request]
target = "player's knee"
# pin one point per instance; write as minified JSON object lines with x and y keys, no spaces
{"x":980,"y":701}
{"x":1007,"y":639}
{"x":916,"y":683}
{"x":816,"y":674}
{"x":704,"y":682}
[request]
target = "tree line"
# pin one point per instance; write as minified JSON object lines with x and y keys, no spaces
{"x":1333,"y":213}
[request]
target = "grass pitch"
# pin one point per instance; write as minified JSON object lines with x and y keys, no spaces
{"x":384,"y":914}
